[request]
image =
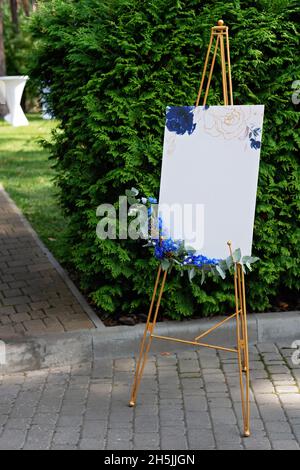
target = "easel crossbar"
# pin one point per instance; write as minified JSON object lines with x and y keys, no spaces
{"x":194,"y":343}
{"x":217,"y":326}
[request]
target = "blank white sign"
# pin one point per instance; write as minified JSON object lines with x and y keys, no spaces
{"x":209,"y":176}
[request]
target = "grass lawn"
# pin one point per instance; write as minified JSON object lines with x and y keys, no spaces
{"x":26,"y":174}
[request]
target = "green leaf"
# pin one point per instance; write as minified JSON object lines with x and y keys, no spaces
{"x":132,"y":200}
{"x":191,"y":274}
{"x":237,"y":254}
{"x":220,"y":271}
{"x":248,"y":266}
{"x":190,"y":249}
{"x":134,"y":191}
{"x":229,"y":262}
{"x":223,"y":265}
{"x":165,"y":264}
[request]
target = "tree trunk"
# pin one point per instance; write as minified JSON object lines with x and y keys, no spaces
{"x":26,"y":7}
{"x":14,"y":14}
{"x":2,"y":52}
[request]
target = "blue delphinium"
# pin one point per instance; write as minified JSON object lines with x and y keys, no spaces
{"x":164,"y":248}
{"x":152,"y":200}
{"x":180,"y":119}
{"x":199,"y":261}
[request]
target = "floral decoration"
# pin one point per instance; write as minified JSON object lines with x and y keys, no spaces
{"x":171,"y":253}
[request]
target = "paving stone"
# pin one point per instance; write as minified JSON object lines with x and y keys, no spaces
{"x":199,"y":439}
{"x":69,"y":421}
{"x":39,"y":437}
{"x":278,"y":427}
{"x":149,"y":424}
{"x":146,"y":441}
{"x":287,"y":389}
{"x":286,"y":445}
{"x":251,"y":443}
{"x":95,"y":430}
{"x":65,"y":447}
{"x":272,"y":413}
{"x":49,"y":419}
{"x":291,"y":398}
{"x":223,"y":416}
{"x":118,"y":445}
{"x":267,"y":348}
{"x":263,"y":387}
{"x":29,"y":283}
{"x":18,"y":423}
{"x":169,"y":442}
{"x":278,"y":370}
{"x":78,"y":408}
{"x":198,"y":419}
{"x":266,"y":399}
{"x":227,"y":435}
{"x":91,"y":444}
{"x":12,"y":439}
{"x":64,"y":435}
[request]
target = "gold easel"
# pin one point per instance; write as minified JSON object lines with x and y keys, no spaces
{"x":219,"y":34}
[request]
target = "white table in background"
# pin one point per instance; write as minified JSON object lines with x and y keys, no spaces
{"x":12,"y":90}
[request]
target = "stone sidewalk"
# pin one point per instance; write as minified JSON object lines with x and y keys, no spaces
{"x":188,"y":400}
{"x":34,"y":298}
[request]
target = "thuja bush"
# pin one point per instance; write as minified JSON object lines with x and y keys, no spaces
{"x":113,"y":66}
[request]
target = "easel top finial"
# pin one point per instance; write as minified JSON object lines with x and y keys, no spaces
{"x":220,"y":23}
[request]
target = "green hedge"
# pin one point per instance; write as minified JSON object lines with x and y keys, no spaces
{"x":113,"y":66}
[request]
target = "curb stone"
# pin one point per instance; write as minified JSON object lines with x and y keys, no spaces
{"x":73,"y":348}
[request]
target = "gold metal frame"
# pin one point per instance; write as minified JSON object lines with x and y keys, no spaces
{"x":219,"y":33}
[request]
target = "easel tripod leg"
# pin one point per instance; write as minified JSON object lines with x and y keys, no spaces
{"x":147,"y":339}
{"x":243,"y":348}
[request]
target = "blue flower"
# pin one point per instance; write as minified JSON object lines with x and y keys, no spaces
{"x":200,"y":261}
{"x":165,"y":248}
{"x":254,"y":136}
{"x":152,"y":200}
{"x":255,"y":144}
{"x":180,"y":119}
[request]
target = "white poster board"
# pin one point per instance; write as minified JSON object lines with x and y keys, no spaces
{"x":209,"y":176}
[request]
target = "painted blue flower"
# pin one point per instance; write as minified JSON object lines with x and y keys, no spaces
{"x":254,"y":135}
{"x":255,"y":144}
{"x":180,"y":119}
